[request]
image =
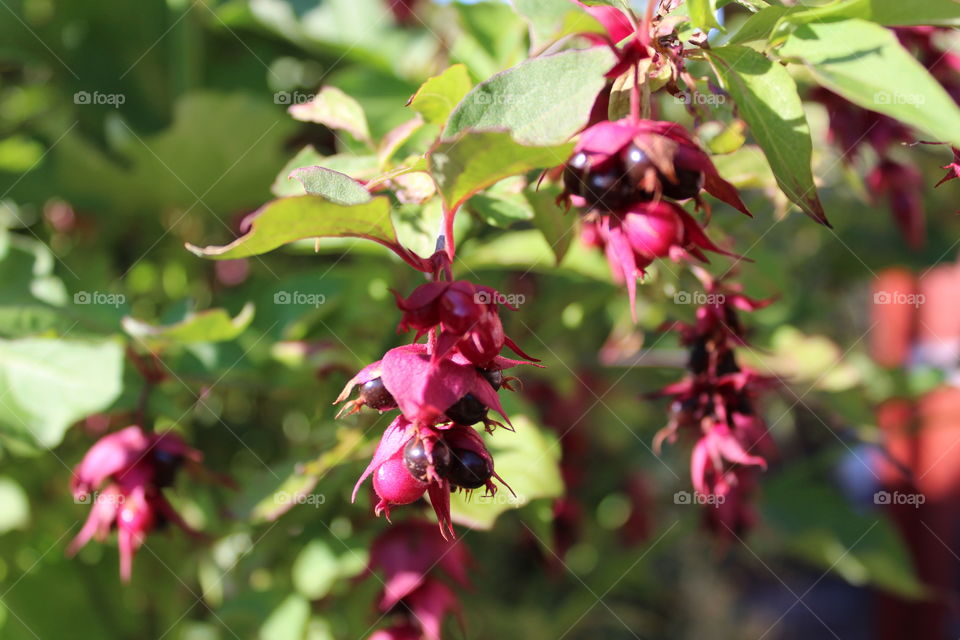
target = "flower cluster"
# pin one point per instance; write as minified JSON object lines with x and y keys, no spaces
{"x":411,"y":557}
{"x":851,"y":128}
{"x":123,"y":476}
{"x":715,"y":402}
{"x":626,"y":175}
{"x":441,"y":388}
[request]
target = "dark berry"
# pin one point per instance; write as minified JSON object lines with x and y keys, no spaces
{"x":608,"y":189}
{"x":165,"y":466}
{"x":727,"y":363}
{"x":699,"y":358}
{"x":467,"y":410}
{"x":468,"y":469}
{"x":573,"y":173}
{"x":417,"y":461}
{"x":688,"y":184}
{"x":494,"y":377}
{"x":636,"y":162}
{"x":376,"y":396}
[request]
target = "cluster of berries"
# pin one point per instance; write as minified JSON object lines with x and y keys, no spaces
{"x":441,"y":388}
{"x":715,"y":402}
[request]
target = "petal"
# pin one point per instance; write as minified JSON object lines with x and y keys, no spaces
{"x":110,"y":455}
{"x":394,"y":437}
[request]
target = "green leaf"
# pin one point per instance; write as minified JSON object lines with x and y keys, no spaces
{"x":478,"y":159}
{"x":528,"y":460}
{"x":332,"y":185}
{"x":294,"y":218}
{"x":500,"y":209}
{"x":767,"y":98}
{"x":867,"y":65}
{"x":335,"y":109}
{"x":551,"y":20}
{"x":438,"y":96}
{"x":556,"y":225}
{"x":48,"y":384}
{"x":891,"y":13}
{"x":760,"y":25}
{"x":543,"y":101}
{"x":212,"y":325}
{"x":703,"y":14}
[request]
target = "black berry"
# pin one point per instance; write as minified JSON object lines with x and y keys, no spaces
{"x":468,"y":469}
{"x":688,"y":184}
{"x":608,"y":188}
{"x":727,"y":363}
{"x":573,"y":174}
{"x":417,"y":462}
{"x":165,"y":466}
{"x":699,"y":358}
{"x":376,"y":396}
{"x":493,"y":376}
{"x":467,"y":410}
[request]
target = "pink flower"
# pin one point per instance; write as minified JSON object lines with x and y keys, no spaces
{"x":412,"y":460}
{"x":616,"y":164}
{"x":137,"y":465}
{"x":467,"y":314}
{"x":408,"y":552}
{"x":426,"y":392}
{"x":410,"y":556}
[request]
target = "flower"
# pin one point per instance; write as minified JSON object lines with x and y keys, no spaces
{"x":715,"y":404}
{"x":467,"y":314}
{"x":616,"y":164}
{"x":411,"y":460}
{"x":411,"y":555}
{"x":425,"y":392}
{"x":136,"y":465}
{"x":648,"y":231}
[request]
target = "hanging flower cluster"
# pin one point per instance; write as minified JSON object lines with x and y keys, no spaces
{"x":852,"y":128}
{"x":626,"y":175}
{"x":410,"y":558}
{"x":715,"y":403}
{"x":440,"y":388}
{"x":123,"y":476}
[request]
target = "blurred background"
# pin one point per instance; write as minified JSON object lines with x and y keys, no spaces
{"x":130,"y":128}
